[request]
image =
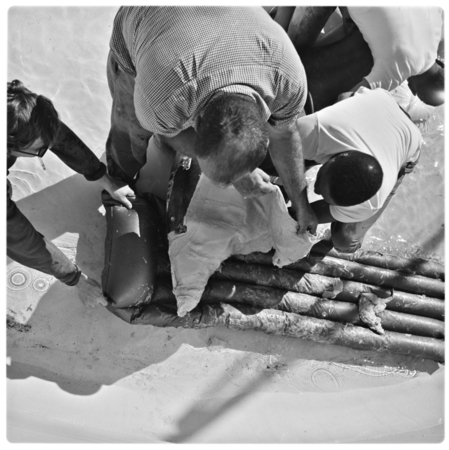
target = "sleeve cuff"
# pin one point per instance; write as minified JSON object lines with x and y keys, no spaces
{"x":97,"y":174}
{"x":75,"y":279}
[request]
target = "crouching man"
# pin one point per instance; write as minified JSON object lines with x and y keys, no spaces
{"x":366,"y":144}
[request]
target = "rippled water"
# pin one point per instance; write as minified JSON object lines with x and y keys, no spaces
{"x":61,"y":53}
{"x":413,"y":224}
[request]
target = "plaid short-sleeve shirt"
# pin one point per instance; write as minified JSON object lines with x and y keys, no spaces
{"x":181,"y":56}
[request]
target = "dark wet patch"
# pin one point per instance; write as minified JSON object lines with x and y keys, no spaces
{"x":12,"y":323}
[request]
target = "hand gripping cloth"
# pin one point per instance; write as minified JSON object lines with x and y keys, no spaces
{"x":219,"y":223}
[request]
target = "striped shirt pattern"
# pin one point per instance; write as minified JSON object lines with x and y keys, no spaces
{"x":181,"y":56}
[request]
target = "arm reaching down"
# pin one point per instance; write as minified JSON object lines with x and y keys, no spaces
{"x":71,"y":150}
{"x":286,"y":153}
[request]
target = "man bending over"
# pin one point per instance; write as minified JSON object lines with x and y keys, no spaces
{"x":366,"y":144}
{"x":222,"y":84}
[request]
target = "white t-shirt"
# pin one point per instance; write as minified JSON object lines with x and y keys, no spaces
{"x":370,"y":122}
{"x":403,"y":41}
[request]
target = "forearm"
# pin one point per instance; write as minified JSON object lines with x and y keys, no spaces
{"x":286,"y":153}
{"x":70,"y":149}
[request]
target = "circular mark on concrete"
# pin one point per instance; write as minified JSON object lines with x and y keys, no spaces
{"x":325,"y":380}
{"x":41,"y":284}
{"x":18,"y":279}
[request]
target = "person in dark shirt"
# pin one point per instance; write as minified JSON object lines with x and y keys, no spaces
{"x":33,"y":128}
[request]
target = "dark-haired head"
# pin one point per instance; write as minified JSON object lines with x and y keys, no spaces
{"x":349,"y":178}
{"x":232,"y":138}
{"x":30,"y":116}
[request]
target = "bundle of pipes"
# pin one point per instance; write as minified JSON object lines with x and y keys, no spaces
{"x":315,"y":298}
{"x":418,"y":266}
{"x":217,"y":309}
{"x":321,"y":293}
{"x":415,"y":294}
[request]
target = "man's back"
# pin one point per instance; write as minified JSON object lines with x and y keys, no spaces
{"x":369,"y":122}
{"x":403,"y":41}
{"x":181,"y":55}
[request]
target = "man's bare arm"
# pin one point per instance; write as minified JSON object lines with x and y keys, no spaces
{"x":286,"y":153}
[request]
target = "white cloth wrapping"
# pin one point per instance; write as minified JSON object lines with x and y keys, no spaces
{"x":221,"y":223}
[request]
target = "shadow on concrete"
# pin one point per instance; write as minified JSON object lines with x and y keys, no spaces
{"x":218,"y":403}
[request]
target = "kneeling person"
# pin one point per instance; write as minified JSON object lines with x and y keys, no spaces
{"x":366,"y":144}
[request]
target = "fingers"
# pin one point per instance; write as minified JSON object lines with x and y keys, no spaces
{"x":90,"y":292}
{"x":92,"y":301}
{"x":265,"y":177}
{"x":102,"y":301}
{"x":258,"y":191}
{"x":128,"y":192}
{"x":126,"y":203}
{"x":263,"y":184}
{"x":255,"y":185}
{"x":312,"y":229}
{"x":270,"y":188}
{"x":122,"y":196}
{"x":121,"y":192}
